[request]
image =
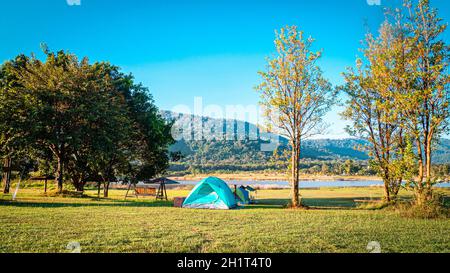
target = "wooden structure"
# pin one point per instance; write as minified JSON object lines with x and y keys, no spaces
{"x":162,"y":182}
{"x":140,"y":191}
{"x":160,"y":193}
{"x":43,"y":178}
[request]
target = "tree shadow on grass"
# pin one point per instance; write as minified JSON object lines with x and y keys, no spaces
{"x":95,"y":203}
{"x":315,"y":203}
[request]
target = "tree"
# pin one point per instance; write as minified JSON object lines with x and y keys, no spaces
{"x":425,"y":105}
{"x":372,"y":107}
{"x":60,"y":88}
{"x":348,"y":166}
{"x":106,"y":131}
{"x":91,"y":120}
{"x":295,"y":94}
{"x":325,"y":169}
{"x":16,"y":122}
{"x":151,"y":136}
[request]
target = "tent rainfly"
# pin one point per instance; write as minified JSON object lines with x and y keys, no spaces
{"x":211,"y":193}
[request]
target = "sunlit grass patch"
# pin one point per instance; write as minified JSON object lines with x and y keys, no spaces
{"x":40,"y":223}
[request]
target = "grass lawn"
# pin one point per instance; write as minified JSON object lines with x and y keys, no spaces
{"x":38,"y":223}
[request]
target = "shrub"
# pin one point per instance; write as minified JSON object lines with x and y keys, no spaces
{"x":435,"y":208}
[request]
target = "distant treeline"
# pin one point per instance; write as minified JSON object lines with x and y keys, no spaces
{"x":322,"y":156}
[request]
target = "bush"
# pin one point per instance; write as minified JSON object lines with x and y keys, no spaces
{"x":433,"y":209}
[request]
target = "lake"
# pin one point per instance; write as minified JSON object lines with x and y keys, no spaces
{"x":308,"y":184}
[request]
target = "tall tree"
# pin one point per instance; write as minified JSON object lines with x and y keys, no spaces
{"x":61,"y":88}
{"x":426,"y":105}
{"x":106,"y":130}
{"x":151,"y":139}
{"x":295,"y":94}
{"x":372,"y":91}
{"x":16,"y":121}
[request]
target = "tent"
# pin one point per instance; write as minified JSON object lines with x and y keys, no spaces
{"x":243,"y":195}
{"x":249,"y":188}
{"x":210,"y":193}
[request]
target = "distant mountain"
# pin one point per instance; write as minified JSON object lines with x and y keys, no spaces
{"x":213,"y":141}
{"x":442,"y":153}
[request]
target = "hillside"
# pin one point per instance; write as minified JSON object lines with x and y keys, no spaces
{"x":242,"y":145}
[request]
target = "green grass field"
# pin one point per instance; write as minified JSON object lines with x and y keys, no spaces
{"x":38,"y":223}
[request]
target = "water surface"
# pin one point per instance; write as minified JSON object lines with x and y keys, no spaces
{"x":308,"y":184}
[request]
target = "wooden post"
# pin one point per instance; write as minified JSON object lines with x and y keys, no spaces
{"x":129,"y":186}
{"x":161,"y":193}
{"x":165,"y":192}
{"x":7,"y":175}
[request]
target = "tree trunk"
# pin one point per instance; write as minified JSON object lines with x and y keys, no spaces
{"x":296,"y":202}
{"x":394,"y":192}
{"x":59,"y":175}
{"x":387,"y":195}
{"x":78,"y":183}
{"x":98,"y":189}
{"x":428,"y":189}
{"x":80,"y":186}
{"x":7,"y":174}
{"x":419,"y":187}
{"x":106,"y":189}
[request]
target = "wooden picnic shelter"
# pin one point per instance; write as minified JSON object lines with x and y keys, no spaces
{"x":160,"y":193}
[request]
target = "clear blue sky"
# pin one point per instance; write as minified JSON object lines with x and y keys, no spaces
{"x":185,"y":49}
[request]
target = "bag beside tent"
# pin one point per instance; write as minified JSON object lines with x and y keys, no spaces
{"x":243,"y":195}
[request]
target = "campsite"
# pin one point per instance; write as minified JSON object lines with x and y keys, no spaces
{"x":335,"y":222}
{"x":213,"y":127}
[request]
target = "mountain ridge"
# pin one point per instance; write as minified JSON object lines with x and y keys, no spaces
{"x":242,"y":145}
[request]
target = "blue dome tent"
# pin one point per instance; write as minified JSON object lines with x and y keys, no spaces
{"x":211,"y":193}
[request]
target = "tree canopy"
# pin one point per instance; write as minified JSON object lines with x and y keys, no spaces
{"x":90,"y":121}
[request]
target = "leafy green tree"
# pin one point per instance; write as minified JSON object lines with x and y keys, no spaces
{"x":16,"y":121}
{"x":325,"y":169}
{"x":348,"y":167}
{"x":425,"y":105}
{"x":60,"y":88}
{"x":106,"y":130}
{"x":372,"y":105}
{"x":295,"y":94}
{"x":91,"y":118}
{"x":151,"y":138}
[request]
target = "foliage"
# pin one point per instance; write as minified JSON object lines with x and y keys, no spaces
{"x":433,"y":208}
{"x":425,"y":104}
{"x":399,"y":97}
{"x":294,"y":94}
{"x":86,"y":122}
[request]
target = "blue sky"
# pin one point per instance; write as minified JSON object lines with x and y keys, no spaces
{"x":190,"y":48}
